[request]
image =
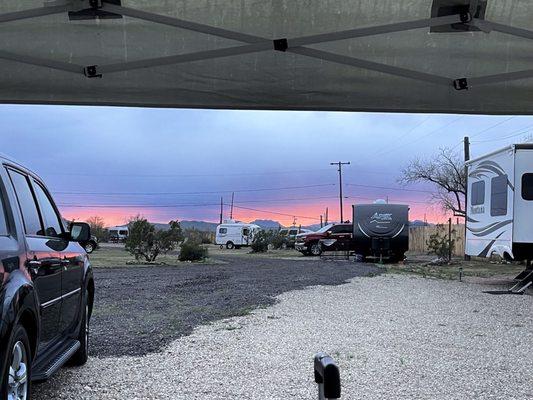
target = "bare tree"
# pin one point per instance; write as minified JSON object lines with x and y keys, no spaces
{"x":446,"y":171}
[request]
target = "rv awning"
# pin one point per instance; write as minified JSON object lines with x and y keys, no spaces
{"x":358,"y":55}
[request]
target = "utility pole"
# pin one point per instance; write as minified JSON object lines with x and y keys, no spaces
{"x":340,"y":164}
{"x":231,"y":210}
{"x":221,"y":208}
{"x":325,"y":223}
{"x":321,"y":224}
{"x":467,"y":158}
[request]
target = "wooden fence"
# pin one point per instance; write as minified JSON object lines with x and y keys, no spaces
{"x":419,"y":235}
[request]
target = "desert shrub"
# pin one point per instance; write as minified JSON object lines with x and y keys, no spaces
{"x":439,"y":243}
{"x":261,"y":242}
{"x":192,"y":250}
{"x":277,"y":240}
{"x":202,"y":237}
{"x":144,"y":241}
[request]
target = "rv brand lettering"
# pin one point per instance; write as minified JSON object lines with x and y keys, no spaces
{"x":377,"y":218}
{"x":477,"y":210}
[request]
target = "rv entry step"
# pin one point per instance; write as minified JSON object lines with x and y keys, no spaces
{"x":525,"y":281}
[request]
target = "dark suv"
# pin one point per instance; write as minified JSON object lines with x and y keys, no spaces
{"x":46,"y":284}
{"x":332,"y":237}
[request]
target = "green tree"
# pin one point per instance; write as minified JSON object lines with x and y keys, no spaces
{"x":440,"y":244}
{"x":144,"y":241}
{"x":98,"y":229}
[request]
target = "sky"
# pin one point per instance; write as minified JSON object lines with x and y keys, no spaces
{"x":168,"y":164}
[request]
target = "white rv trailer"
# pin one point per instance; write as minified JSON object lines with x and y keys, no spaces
{"x":500,"y":204}
{"x":234,"y":234}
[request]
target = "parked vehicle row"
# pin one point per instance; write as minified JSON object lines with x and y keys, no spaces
{"x":46,"y":284}
{"x":379,"y":230}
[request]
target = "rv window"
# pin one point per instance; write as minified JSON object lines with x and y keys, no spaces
{"x":527,"y":186}
{"x":477,"y":195}
{"x":245,"y":231}
{"x":498,"y":196}
{"x":223,"y":231}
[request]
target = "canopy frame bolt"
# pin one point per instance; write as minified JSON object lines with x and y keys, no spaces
{"x":281,"y":44}
{"x":91,"y":71}
{"x":465,"y":17}
{"x":95,"y":4}
{"x":460,"y":84}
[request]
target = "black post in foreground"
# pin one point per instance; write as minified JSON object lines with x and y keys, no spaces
{"x":327,"y":376}
{"x":467,"y":158}
{"x":340,"y":164}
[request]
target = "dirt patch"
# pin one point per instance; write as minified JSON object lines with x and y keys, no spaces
{"x":138,"y":310}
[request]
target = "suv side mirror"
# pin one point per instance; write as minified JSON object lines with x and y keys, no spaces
{"x":80,"y":232}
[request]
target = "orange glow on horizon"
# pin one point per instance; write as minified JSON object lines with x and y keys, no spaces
{"x":120,"y":216}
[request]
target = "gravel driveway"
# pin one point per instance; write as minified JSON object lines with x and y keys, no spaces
{"x":394,"y":336}
{"x":139,"y":310}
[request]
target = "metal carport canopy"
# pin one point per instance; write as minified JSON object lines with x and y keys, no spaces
{"x":463,"y":56}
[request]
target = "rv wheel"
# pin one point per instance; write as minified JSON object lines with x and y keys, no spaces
{"x":230,"y":246}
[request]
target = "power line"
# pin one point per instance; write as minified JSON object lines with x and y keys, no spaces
{"x":420,"y":138}
{"x":491,"y":127}
{"x":291,"y":172}
{"x":190,"y":193}
{"x":277,"y":213}
{"x":391,"y":188}
{"x":115,"y":205}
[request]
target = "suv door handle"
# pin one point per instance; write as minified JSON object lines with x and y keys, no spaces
{"x":34,"y":266}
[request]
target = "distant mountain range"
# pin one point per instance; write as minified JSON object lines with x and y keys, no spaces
{"x":263,"y":223}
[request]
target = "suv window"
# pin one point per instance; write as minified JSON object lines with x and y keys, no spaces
{"x":527,"y":186}
{"x":52,"y":224}
{"x":498,"y":196}
{"x":26,"y":200}
{"x":341,"y":229}
{"x":3,"y":220}
{"x":478,"y":193}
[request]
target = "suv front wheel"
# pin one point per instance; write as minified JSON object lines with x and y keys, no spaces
{"x":17,"y":376}
{"x":315,"y":249}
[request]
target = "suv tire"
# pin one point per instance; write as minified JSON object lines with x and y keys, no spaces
{"x":82,"y":355}
{"x":315,"y":249}
{"x":20,"y":345}
{"x":89,"y":247}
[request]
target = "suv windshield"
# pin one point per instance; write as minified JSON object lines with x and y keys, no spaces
{"x":325,"y":228}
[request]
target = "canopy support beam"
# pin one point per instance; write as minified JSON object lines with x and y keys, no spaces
{"x":257,"y":44}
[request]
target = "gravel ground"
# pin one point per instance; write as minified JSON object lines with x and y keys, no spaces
{"x":394,"y":336}
{"x":139,"y":310}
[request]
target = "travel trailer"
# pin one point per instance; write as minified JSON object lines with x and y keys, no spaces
{"x":118,"y":233}
{"x":381,"y":230}
{"x":500,"y":204}
{"x":235,"y":235}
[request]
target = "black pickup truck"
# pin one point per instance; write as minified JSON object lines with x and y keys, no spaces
{"x":46,"y":284}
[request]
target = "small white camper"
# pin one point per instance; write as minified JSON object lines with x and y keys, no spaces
{"x":118,"y":233}
{"x":500,"y":204}
{"x":235,"y":234}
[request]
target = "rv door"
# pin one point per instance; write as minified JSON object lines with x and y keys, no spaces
{"x":246,"y":235}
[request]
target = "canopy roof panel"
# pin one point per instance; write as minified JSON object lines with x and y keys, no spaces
{"x":233,"y":54}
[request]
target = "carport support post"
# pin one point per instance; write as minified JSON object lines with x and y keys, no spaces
{"x":467,"y":157}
